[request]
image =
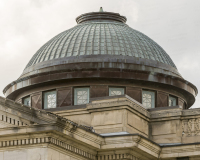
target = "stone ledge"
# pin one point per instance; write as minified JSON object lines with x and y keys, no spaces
{"x":117,"y":101}
{"x":25,"y":142}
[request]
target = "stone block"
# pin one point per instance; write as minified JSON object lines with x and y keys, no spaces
{"x":137,"y":122}
{"x":163,"y":128}
{"x":107,"y":118}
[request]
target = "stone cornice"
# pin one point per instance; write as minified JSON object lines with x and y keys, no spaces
{"x":79,"y":135}
{"x":122,"y":146}
{"x":37,"y":116}
{"x":133,"y":141}
{"x":38,"y":127}
{"x":124,"y":101}
{"x":46,"y":139}
{"x":165,"y":113}
{"x":187,"y":150}
{"x":82,"y":144}
{"x":116,"y":103}
{"x":29,"y":113}
{"x":191,"y":112}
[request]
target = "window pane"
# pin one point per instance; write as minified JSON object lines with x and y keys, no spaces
{"x":172,"y":101}
{"x":148,"y":99}
{"x":50,"y":99}
{"x":116,"y":91}
{"x":81,"y":96}
{"x":27,"y":101}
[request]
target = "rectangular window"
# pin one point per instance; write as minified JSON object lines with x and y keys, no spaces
{"x":27,"y":101}
{"x":81,"y":96}
{"x":49,"y":99}
{"x":172,"y":101}
{"x":148,"y":99}
{"x":116,"y":91}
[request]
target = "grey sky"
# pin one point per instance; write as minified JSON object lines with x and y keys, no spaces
{"x":27,"y":24}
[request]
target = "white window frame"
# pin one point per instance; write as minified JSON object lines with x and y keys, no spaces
{"x":174,"y":100}
{"x":81,"y":89}
{"x":45,"y":94}
{"x":152,"y":93}
{"x":121,"y":89}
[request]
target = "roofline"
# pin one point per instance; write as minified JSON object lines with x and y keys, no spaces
{"x":110,"y":16}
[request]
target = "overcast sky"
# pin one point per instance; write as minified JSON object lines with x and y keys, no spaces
{"x":25,"y":25}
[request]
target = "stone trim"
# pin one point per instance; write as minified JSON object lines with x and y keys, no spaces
{"x":71,"y":148}
{"x":180,"y":151}
{"x":12,"y":121}
{"x":47,"y":140}
{"x":173,"y":113}
{"x":129,"y":145}
{"x":37,"y":116}
{"x":30,"y":113}
{"x":149,"y":146}
{"x":191,"y":112}
{"x":119,"y":156}
{"x":78,"y":134}
{"x":191,"y":127}
{"x":118,"y":101}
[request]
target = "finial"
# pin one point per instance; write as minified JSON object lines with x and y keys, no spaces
{"x":101,"y":9}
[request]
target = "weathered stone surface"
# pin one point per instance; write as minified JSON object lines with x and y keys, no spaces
{"x":25,"y":138}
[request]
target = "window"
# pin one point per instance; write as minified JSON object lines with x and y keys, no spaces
{"x":27,"y":101}
{"x":172,"y":101}
{"x":49,"y":99}
{"x":116,"y":91}
{"x":81,"y":96}
{"x":148,"y":99}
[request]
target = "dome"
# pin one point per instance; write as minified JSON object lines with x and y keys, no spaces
{"x":101,"y":53}
{"x":94,"y":37}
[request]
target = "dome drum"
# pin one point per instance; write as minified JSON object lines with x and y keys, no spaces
{"x":130,"y":78}
{"x":98,"y":87}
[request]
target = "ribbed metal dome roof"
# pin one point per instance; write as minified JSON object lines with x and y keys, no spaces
{"x":97,"y":35}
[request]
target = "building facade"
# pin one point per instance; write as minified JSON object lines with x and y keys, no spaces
{"x":100,"y":90}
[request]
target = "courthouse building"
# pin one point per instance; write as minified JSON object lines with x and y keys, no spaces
{"x":100,"y":91}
